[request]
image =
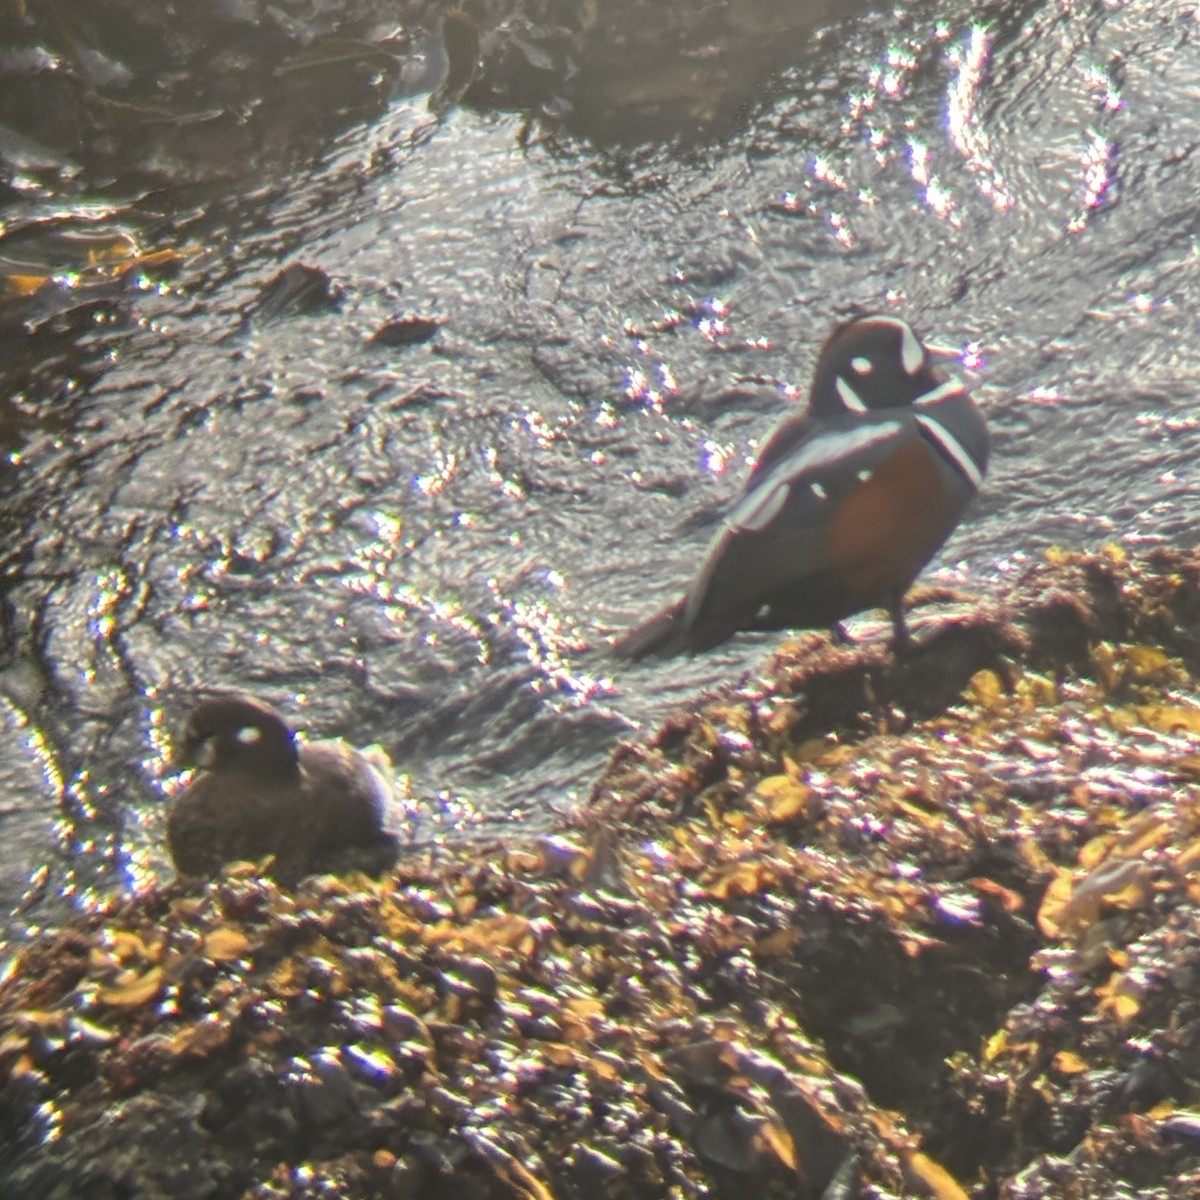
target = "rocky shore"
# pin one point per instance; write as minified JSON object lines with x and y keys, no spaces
{"x":853,"y":927}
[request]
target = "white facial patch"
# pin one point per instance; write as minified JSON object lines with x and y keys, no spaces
{"x":249,"y":735}
{"x":850,"y":398}
{"x":912,"y":353}
{"x":952,"y":448}
{"x":862,"y":365}
{"x":818,"y":491}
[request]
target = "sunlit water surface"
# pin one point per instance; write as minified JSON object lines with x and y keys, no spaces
{"x":428,"y":546}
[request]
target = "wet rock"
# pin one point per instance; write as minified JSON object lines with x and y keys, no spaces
{"x":151,"y":1145}
{"x":178,"y":93}
{"x":405,"y":331}
{"x":460,"y":41}
{"x":637,"y":71}
{"x":298,"y":290}
{"x":322,"y":1094}
{"x":848,"y":940}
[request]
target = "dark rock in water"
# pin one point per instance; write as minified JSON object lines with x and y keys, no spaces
{"x":637,"y":71}
{"x":460,"y":40}
{"x":405,"y":331}
{"x":298,"y":290}
{"x":319,"y":807}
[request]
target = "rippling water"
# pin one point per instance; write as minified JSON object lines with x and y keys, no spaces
{"x":428,"y":546}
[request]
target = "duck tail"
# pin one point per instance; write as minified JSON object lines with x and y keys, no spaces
{"x":664,"y":635}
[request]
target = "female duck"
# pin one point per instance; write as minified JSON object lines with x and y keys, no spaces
{"x":258,"y":792}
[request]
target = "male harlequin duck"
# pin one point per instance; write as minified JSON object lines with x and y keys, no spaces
{"x":847,"y":503}
{"x":257,"y":792}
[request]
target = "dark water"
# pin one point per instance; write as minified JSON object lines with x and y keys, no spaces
{"x":427,"y":546}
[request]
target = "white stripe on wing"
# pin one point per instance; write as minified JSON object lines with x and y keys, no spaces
{"x":755,"y":509}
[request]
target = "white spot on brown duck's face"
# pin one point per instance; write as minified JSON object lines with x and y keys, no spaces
{"x":236,"y":733}
{"x":871,"y":363}
{"x":850,"y":398}
{"x":206,"y":753}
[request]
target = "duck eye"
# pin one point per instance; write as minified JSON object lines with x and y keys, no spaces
{"x":249,"y":735}
{"x":861,"y":365}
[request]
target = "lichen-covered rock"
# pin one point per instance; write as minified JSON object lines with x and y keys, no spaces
{"x":860,"y":926}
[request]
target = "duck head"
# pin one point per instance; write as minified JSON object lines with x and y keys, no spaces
{"x":871,"y":363}
{"x":234,"y":733}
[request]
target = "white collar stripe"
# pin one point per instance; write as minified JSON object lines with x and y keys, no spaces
{"x":953,"y":449}
{"x":850,"y":398}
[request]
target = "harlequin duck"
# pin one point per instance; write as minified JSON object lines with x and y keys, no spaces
{"x":257,"y":792}
{"x":847,"y":503}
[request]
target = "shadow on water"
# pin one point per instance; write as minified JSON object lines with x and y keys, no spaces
{"x":605,"y":262}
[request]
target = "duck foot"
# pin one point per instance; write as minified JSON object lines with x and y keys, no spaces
{"x":902,"y":642}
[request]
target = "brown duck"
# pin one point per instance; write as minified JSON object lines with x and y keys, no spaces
{"x":257,"y":792}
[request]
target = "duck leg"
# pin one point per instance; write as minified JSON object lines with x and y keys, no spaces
{"x":902,"y":641}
